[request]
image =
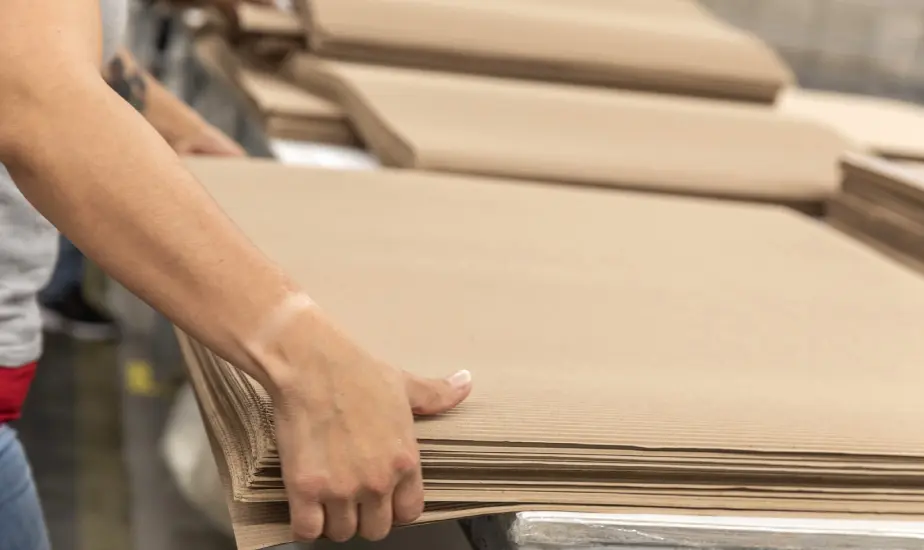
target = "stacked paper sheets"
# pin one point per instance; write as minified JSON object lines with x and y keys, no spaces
{"x":631,"y":352}
{"x":566,"y":134}
{"x":636,"y":44}
{"x":880,"y":126}
{"x":883,"y":202}
{"x":286,"y":111}
{"x":267,"y":31}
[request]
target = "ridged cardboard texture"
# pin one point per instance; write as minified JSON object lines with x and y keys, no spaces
{"x":631,"y":352}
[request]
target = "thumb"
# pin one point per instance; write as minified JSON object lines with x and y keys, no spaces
{"x":429,"y":397}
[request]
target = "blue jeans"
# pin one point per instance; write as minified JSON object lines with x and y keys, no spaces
{"x":68,"y":273}
{"x":22,"y":525}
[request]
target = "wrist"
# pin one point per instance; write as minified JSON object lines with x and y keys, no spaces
{"x":283,"y":341}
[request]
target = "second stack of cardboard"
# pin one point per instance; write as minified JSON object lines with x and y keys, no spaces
{"x":883,"y":203}
{"x":763,"y":363}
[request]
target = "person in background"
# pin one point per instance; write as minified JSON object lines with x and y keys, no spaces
{"x":77,"y":155}
{"x":65,"y":307}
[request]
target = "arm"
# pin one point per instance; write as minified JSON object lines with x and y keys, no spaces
{"x":93,"y":166}
{"x":176,"y":122}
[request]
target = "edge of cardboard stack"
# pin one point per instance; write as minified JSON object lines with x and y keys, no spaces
{"x":682,"y":283}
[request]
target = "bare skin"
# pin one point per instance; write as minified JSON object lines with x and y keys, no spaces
{"x":182,"y":128}
{"x":107,"y":179}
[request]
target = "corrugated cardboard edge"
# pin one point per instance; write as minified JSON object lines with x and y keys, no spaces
{"x":899,"y":184}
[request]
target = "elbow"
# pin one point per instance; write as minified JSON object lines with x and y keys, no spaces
{"x":34,"y":110}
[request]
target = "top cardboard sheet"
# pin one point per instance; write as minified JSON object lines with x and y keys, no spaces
{"x":598,"y":318}
{"x":497,"y":127}
{"x":885,"y":127}
{"x":670,"y":46}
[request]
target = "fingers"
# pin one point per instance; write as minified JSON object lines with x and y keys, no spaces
{"x":429,"y":397}
{"x":341,"y":520}
{"x":307,"y":520}
{"x":375,"y":517}
{"x":409,"y":499}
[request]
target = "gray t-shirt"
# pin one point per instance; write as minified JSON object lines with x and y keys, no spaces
{"x":29,"y":243}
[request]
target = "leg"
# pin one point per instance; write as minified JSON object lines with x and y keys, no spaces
{"x":67,"y":275}
{"x":64,"y":308}
{"x":22,"y":525}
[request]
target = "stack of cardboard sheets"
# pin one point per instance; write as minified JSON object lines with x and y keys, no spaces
{"x":497,"y":127}
{"x":883,"y":203}
{"x":635,"y":44}
{"x":880,"y":126}
{"x":267,"y":32}
{"x":286,"y":111}
{"x":761,"y":364}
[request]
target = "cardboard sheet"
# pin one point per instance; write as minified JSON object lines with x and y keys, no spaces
{"x":663,"y":353}
{"x":885,"y":127}
{"x":495,"y":127}
{"x":883,"y":201}
{"x":255,"y":19}
{"x":637,"y":44}
{"x":287,"y":111}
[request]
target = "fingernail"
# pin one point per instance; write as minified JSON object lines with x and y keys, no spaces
{"x":460,"y":379}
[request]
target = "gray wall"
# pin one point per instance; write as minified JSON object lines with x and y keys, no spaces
{"x":864,"y":46}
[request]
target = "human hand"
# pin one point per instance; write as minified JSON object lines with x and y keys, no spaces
{"x":345,"y":432}
{"x":207,"y":140}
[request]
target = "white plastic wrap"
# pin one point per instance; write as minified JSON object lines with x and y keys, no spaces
{"x":304,"y":153}
{"x":575,"y":531}
{"x":189,"y":458}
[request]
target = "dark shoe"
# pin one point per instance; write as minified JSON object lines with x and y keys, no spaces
{"x":73,"y":316}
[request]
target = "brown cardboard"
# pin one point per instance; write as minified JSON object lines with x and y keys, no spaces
{"x":644,"y":45}
{"x":256,"y":19}
{"x":601,"y":328}
{"x":886,"y":127}
{"x":883,"y":201}
{"x":516,"y":129}
{"x":287,"y":111}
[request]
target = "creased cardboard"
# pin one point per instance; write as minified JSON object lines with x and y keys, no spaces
{"x":665,"y":353}
{"x":643,"y":45}
{"x":881,"y":126}
{"x":495,"y":127}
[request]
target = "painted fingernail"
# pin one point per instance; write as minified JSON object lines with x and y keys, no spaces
{"x":460,"y":379}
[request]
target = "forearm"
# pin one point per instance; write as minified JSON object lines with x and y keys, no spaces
{"x":172,"y":118}
{"x":107,"y":180}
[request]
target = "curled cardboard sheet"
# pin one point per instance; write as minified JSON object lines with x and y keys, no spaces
{"x":885,"y":127}
{"x":495,"y":127}
{"x":672,"y":46}
{"x":287,"y":111}
{"x":631,"y":352}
